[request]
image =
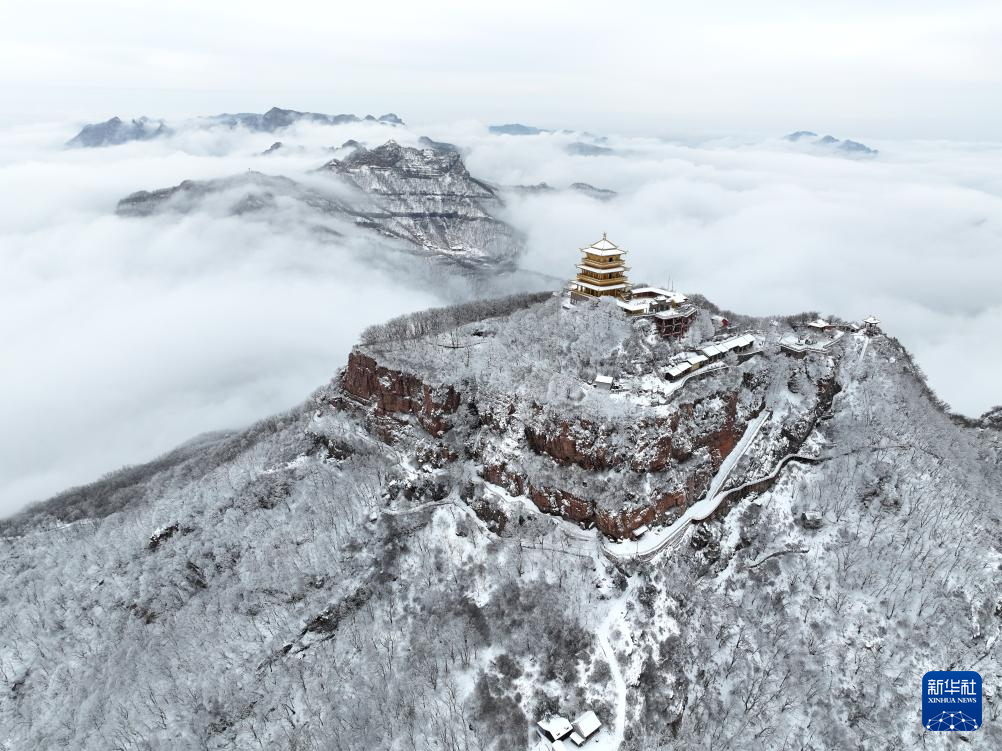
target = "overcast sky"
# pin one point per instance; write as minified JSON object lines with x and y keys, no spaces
{"x":897,"y":68}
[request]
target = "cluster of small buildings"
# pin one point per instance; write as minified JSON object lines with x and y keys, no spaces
{"x":602,"y":273}
{"x":816,"y":336}
{"x":715,"y":351}
{"x":819,"y":335}
{"x":553,"y":731}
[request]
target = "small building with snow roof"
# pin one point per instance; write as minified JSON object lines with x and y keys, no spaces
{"x":587,"y":725}
{"x":697,"y":361}
{"x":677,"y":371}
{"x":554,"y":728}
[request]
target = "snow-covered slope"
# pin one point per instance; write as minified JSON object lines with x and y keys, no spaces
{"x":423,"y":200}
{"x":427,"y":197}
{"x":350,"y":575}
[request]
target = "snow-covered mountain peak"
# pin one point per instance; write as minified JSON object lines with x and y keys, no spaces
{"x":437,"y":536}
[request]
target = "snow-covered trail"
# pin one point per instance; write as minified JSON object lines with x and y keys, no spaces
{"x":654,"y":543}
{"x":612,"y":741}
{"x":862,"y":353}
{"x":732,"y":458}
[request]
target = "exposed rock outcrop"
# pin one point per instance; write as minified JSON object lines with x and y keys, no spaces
{"x":618,"y":464}
{"x":393,"y":392}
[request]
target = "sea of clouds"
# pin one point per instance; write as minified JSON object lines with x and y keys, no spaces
{"x":124,"y":337}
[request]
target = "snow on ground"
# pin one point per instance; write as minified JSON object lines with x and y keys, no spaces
{"x":610,"y":737}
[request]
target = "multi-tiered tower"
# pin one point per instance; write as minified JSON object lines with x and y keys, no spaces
{"x":601,"y":272}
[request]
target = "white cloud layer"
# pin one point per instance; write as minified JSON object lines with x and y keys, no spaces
{"x":122,"y":338}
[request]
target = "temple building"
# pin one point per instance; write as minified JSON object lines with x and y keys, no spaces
{"x":602,"y":273}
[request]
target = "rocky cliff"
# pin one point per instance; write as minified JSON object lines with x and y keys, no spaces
{"x":615,"y":460}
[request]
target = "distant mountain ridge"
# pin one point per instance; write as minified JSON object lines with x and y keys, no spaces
{"x":424,"y":197}
{"x":602,"y":194}
{"x":580,"y":148}
{"x":115,"y":131}
{"x":516,"y":129}
{"x":428,"y":198}
{"x":851,"y":147}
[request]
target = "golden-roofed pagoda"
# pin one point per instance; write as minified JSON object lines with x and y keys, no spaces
{"x":601,"y":272}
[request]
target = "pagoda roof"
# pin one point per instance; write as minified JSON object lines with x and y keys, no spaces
{"x":603,"y":247}
{"x":598,"y":270}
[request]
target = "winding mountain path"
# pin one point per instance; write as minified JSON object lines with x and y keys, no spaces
{"x":655,"y":542}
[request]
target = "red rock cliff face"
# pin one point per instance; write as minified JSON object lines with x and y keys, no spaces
{"x":620,"y":524}
{"x":652,"y":450}
{"x":572,"y":443}
{"x":393,"y":392}
{"x":651,"y":442}
{"x":652,"y":446}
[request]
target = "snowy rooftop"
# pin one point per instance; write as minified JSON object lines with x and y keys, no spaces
{"x":675,"y":313}
{"x":603,"y":247}
{"x":676,"y":370}
{"x":819,"y":323}
{"x":588,"y":723}
{"x":556,"y":727}
{"x":736,"y":341}
{"x":633,"y":305}
{"x":613,"y":270}
{"x":677,"y":298}
{"x":604,"y":244}
{"x":598,"y":287}
{"x":596,"y":252}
